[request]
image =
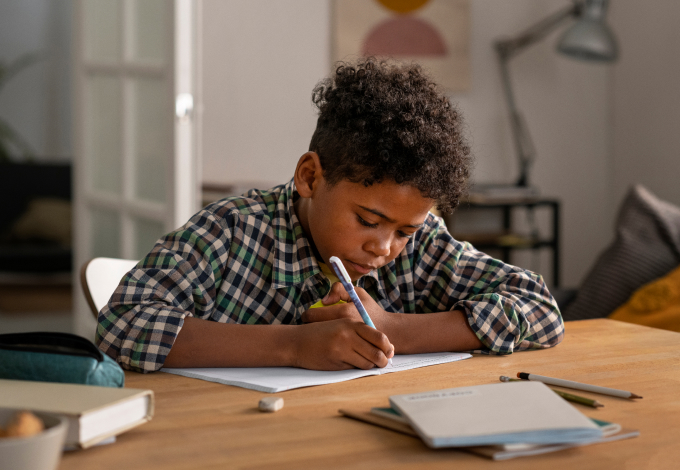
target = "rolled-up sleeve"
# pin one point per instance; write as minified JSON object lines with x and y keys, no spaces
{"x":177,"y":278}
{"x":507,"y":307}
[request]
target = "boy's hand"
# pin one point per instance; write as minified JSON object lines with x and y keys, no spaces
{"x":379,"y":316}
{"x":341,"y":344}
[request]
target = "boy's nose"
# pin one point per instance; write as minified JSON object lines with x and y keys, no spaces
{"x":378,"y":246}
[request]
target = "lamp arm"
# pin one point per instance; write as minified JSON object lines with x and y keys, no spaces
{"x":509,"y":47}
{"x":506,"y":49}
{"x":524,"y":146}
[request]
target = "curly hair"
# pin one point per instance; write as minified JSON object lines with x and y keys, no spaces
{"x":381,"y":120}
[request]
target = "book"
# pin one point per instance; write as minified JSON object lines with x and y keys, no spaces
{"x":389,"y":413}
{"x":394,"y":421}
{"x":279,"y":379}
{"x":494,"y":414}
{"x":509,"y":452}
{"x":93,"y":413}
{"x":379,"y":420}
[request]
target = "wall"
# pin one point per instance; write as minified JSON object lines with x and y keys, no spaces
{"x":261,"y":60}
{"x":566,"y":106}
{"x":37,"y":102}
{"x":646,"y":98}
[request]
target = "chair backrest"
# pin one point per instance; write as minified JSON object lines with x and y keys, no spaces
{"x":100,"y":277}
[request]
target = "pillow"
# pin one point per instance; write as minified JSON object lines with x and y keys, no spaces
{"x":647,"y":246}
{"x":655,"y":304}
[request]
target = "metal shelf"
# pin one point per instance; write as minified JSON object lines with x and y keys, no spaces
{"x":508,"y":241}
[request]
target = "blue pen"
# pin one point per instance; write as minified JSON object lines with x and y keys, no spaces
{"x":343,"y":275}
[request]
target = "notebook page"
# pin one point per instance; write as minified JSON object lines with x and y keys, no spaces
{"x":414,"y":361}
{"x":270,"y":379}
{"x":279,"y":379}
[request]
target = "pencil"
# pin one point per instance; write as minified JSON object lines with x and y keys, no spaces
{"x":578,"y":386}
{"x":567,"y":396}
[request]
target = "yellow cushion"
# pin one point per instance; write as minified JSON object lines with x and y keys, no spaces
{"x":655,"y":304}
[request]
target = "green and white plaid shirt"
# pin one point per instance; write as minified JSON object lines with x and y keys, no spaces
{"x":247,"y":260}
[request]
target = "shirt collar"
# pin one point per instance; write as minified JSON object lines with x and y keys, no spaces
{"x":294,"y":259}
{"x":371,"y":282}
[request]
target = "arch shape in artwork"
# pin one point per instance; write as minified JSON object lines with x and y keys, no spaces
{"x":404,"y":36}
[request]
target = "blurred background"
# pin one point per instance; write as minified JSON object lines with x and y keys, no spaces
{"x":119,"y":119}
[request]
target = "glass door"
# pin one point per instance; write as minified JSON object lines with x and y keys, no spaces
{"x":135,"y":160}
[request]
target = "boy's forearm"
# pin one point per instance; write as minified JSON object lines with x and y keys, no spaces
{"x":434,"y":332}
{"x":204,"y":343}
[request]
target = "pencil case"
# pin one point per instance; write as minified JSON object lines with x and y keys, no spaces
{"x":57,"y":357}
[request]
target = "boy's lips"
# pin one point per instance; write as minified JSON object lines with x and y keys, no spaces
{"x":361,"y":268}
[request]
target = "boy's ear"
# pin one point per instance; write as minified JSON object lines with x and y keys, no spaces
{"x":308,"y":174}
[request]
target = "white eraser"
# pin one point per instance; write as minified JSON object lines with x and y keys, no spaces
{"x":271,"y":404}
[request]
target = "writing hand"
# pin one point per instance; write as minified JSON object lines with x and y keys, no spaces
{"x":380,"y":317}
{"x":341,"y":344}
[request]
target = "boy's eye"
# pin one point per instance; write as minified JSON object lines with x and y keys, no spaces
{"x":366,"y":224}
{"x":404,"y":234}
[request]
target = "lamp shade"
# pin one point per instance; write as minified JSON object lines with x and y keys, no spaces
{"x":590,"y":38}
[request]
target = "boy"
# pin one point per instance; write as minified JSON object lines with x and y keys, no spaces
{"x":387,"y":148}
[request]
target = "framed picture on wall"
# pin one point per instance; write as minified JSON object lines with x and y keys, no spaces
{"x":433,"y":33}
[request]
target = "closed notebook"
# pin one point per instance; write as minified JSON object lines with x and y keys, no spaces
{"x":495,"y":414}
{"x":94,"y":413}
{"x":391,"y":419}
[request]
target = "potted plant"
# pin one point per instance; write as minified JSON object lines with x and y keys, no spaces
{"x":9,"y":137}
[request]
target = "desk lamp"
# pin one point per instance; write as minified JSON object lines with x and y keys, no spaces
{"x":587,"y":39}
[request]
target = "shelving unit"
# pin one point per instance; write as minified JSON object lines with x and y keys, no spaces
{"x":509,"y":239}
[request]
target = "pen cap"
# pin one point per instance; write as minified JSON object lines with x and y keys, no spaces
{"x":340,"y":269}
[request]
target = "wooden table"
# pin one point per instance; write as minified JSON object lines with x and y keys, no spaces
{"x":202,"y":425}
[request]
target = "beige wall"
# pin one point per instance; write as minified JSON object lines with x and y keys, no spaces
{"x":646,"y":98}
{"x":566,"y":105}
{"x":261,"y":60}
{"x":597,"y":128}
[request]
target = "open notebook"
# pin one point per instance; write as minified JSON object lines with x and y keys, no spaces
{"x":278,"y":379}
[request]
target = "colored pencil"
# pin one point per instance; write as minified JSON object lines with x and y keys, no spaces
{"x":578,"y":386}
{"x":567,"y":396}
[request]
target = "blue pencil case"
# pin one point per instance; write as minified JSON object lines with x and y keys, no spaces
{"x":57,"y":357}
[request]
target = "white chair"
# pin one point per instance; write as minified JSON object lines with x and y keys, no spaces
{"x":99,"y":278}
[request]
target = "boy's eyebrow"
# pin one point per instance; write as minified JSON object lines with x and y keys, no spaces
{"x":383,"y":216}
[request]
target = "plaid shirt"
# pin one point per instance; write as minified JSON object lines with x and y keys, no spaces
{"x":247,"y":260}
